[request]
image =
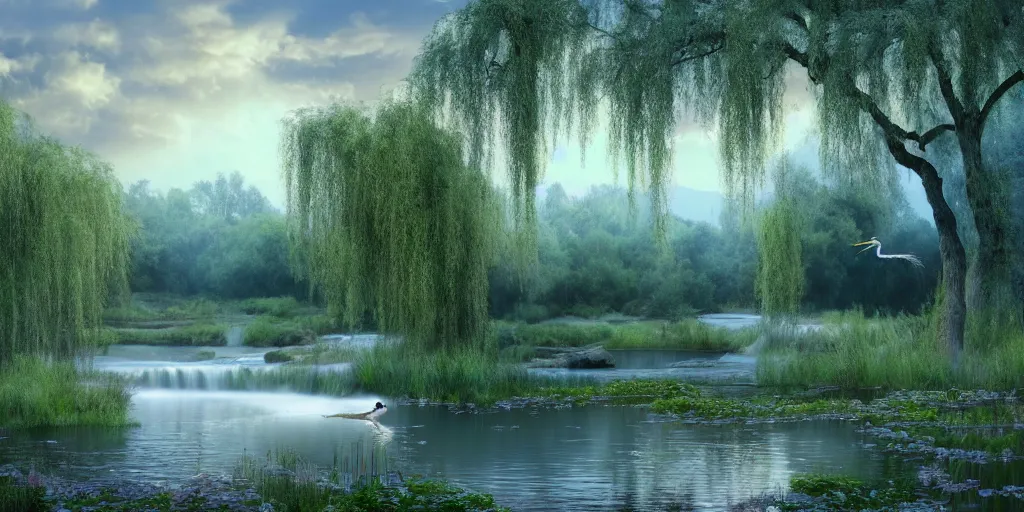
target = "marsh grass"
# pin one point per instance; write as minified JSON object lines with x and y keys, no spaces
{"x":271,"y":331}
{"x":281,"y":307}
{"x":469,"y":375}
{"x":34,"y":393}
{"x":351,"y":483}
{"x":688,"y":334}
{"x":180,"y":309}
{"x":853,"y":352}
{"x":195,"y":335}
{"x":21,"y":498}
{"x":320,"y":353}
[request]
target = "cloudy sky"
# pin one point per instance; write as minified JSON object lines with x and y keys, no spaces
{"x":175,"y":91}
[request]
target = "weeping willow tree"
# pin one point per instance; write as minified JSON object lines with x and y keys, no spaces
{"x":390,"y":221}
{"x":65,"y":243}
{"x":890,"y":77}
{"x":780,"y":269}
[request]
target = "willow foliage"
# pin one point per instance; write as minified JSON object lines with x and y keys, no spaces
{"x":389,"y":220}
{"x":780,"y":270}
{"x":65,"y":242}
{"x":720,"y":62}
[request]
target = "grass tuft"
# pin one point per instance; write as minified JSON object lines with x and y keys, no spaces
{"x":454,"y":375}
{"x":34,"y":393}
{"x":684,"y":335}
{"x":853,"y":352}
{"x":269,"y":331}
{"x":196,"y":335}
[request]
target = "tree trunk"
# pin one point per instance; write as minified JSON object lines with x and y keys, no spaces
{"x":954,"y":265}
{"x":990,"y":290}
{"x":953,"y":312}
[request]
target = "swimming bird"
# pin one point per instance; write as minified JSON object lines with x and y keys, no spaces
{"x":378,"y":410}
{"x":878,"y":252}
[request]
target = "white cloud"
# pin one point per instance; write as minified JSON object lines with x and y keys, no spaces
{"x":96,"y":34}
{"x":87,"y":81}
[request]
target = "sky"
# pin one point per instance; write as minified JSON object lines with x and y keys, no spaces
{"x":176,"y":91}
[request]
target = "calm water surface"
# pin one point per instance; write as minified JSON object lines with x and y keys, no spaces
{"x":589,"y":458}
{"x":530,"y":459}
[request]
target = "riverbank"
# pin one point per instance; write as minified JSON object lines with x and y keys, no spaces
{"x":255,"y":486}
{"x":35,"y":393}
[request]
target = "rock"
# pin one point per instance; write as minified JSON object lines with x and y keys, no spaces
{"x":695,"y":363}
{"x":586,"y":358}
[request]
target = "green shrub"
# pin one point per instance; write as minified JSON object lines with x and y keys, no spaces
{"x":268,"y":332}
{"x":196,"y":335}
{"x":276,"y":356}
{"x":34,"y":393}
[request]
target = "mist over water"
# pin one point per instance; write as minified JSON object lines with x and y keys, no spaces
{"x":530,"y":459}
{"x":579,"y":458}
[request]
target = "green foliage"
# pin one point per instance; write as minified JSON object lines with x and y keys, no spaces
{"x":283,"y":307}
{"x":502,"y":65}
{"x":215,"y":238}
{"x":837,"y":492}
{"x":269,"y":332}
{"x":388,"y":219}
{"x":65,"y":242}
{"x":294,"y":494}
{"x":854,"y":352}
{"x":276,"y":356}
{"x":592,"y":260}
{"x":456,"y":375}
{"x":195,"y":335}
{"x":685,"y":335}
{"x":34,"y":393}
{"x":780,"y":273}
{"x":137,"y":312}
{"x":21,"y":498}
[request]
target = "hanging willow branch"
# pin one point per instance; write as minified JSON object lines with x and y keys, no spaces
{"x":65,"y":242}
{"x":389,"y":220}
{"x":780,"y":270}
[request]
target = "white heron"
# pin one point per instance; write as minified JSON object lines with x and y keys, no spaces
{"x":878,"y":251}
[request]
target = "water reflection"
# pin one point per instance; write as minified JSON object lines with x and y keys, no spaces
{"x":530,"y":459}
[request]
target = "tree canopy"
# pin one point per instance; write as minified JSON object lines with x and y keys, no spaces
{"x":390,"y":220}
{"x":65,"y":242}
{"x":889,"y":75}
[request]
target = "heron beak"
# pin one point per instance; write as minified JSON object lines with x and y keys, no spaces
{"x":868,"y":248}
{"x":869,"y":242}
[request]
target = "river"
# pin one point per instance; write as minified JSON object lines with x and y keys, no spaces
{"x":575,"y":458}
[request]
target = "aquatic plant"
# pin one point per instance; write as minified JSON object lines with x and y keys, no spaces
{"x":21,"y":498}
{"x":466,"y":375}
{"x":65,"y":242}
{"x":270,"y":332}
{"x":36,"y":393}
{"x":688,"y":334}
{"x":387,"y":218}
{"x":854,"y":352}
{"x":838,"y":492}
{"x":305,"y":487}
{"x":201,"y":334}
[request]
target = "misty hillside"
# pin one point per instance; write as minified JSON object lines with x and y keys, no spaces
{"x":706,"y":206}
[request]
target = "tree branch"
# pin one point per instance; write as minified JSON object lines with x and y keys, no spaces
{"x":1007,"y":84}
{"x":930,"y":135}
{"x":602,"y":31}
{"x":946,"y":83}
{"x":893,"y":132}
{"x":687,"y":58}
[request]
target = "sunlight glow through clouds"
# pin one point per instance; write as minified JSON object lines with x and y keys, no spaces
{"x":176,"y":92}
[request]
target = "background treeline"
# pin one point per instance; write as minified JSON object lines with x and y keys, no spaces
{"x":217,"y":238}
{"x":597,"y":256}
